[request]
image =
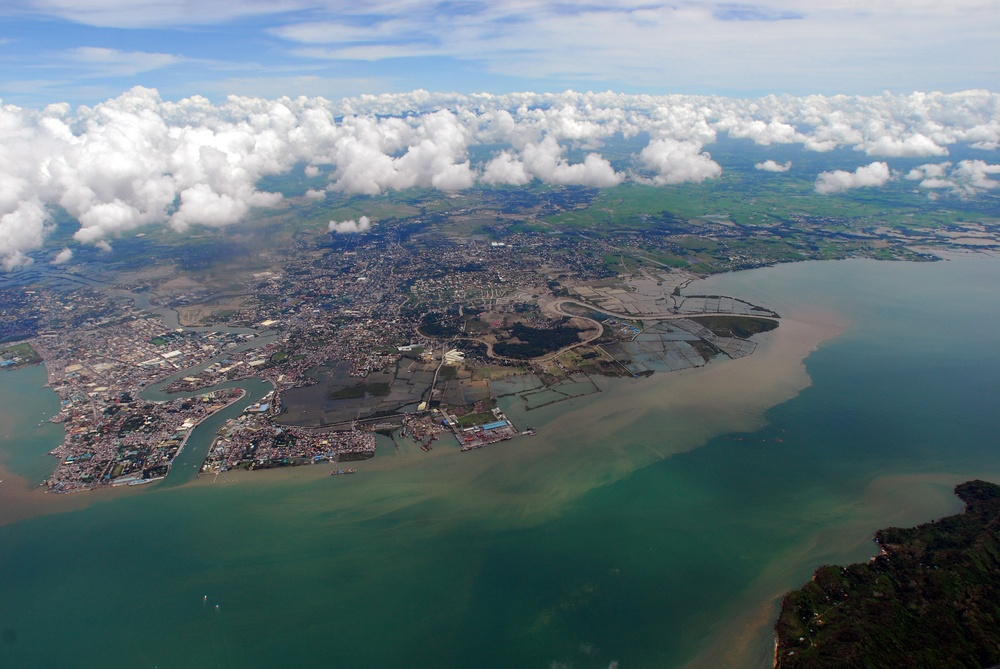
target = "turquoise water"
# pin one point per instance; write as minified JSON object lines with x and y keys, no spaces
{"x":574,"y":548}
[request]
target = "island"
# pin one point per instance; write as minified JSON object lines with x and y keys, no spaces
{"x":930,"y":598}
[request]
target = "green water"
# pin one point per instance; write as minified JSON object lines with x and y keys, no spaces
{"x":26,"y":436}
{"x":576,"y":548}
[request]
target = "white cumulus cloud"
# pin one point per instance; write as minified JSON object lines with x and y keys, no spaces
{"x":506,"y":169}
{"x":362,"y":224}
{"x":838,"y":181}
{"x":928,"y":171}
{"x":545,"y":161}
{"x":773,"y":166}
{"x":968,"y":178}
{"x":137,"y":160}
{"x":914,"y":146}
{"x":63,"y":257}
{"x":675,"y":162}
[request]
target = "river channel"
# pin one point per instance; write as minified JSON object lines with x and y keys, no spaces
{"x":188,"y":462}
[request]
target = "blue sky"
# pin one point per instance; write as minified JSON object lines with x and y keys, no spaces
{"x":86,"y":52}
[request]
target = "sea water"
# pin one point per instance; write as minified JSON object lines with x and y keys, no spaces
{"x":599,"y":541}
{"x":26,"y":435}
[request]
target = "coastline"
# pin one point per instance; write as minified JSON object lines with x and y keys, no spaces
{"x":528,"y":481}
{"x":723,"y":397}
{"x":20,"y":500}
{"x":901,"y":498}
{"x":898,"y":500}
{"x":734,"y":394}
{"x":677,"y":564}
{"x":928,"y":568}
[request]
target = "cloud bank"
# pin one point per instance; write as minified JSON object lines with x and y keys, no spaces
{"x":137,"y":160}
{"x":968,"y":178}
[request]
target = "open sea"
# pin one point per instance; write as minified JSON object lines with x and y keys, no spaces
{"x":636,"y":530}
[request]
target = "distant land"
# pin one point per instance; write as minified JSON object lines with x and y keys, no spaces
{"x":410,"y":313}
{"x":930,"y":598}
{"x":413,"y":327}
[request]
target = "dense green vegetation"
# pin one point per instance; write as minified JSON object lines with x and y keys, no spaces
{"x":439,"y":325}
{"x":359,"y":391}
{"x":534,"y":342}
{"x":736,"y":326}
{"x":930,"y":599}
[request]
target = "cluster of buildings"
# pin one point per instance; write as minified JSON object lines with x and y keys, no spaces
{"x":58,"y":306}
{"x":99,"y":368}
{"x":359,"y":306}
{"x":115,"y":439}
{"x":253,"y":442}
{"x":357,"y":299}
{"x":128,"y":354}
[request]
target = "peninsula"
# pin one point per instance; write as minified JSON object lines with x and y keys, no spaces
{"x":418,"y":325}
{"x":412,"y":329}
{"x":930,"y":598}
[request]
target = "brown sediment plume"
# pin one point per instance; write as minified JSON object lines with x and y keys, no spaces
{"x":898,"y":500}
{"x":596,"y":440}
{"x":722,"y":397}
{"x":19,"y":499}
{"x":577,"y":447}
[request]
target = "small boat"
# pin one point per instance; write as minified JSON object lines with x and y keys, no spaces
{"x":338,"y":472}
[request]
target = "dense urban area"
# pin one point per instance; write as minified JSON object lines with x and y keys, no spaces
{"x":412,"y":328}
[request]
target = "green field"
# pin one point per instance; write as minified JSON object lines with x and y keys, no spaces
{"x":18,"y":355}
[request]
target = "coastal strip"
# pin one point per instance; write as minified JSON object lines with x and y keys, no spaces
{"x":928,"y":599}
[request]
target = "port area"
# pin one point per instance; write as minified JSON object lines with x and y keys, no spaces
{"x":479,"y":435}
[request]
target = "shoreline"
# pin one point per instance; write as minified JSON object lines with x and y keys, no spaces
{"x":722,"y":397}
{"x":681,"y":560}
{"x":898,"y":500}
{"x":114,"y":483}
{"x":184,"y":441}
{"x":19,"y":500}
{"x":735,"y":394}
